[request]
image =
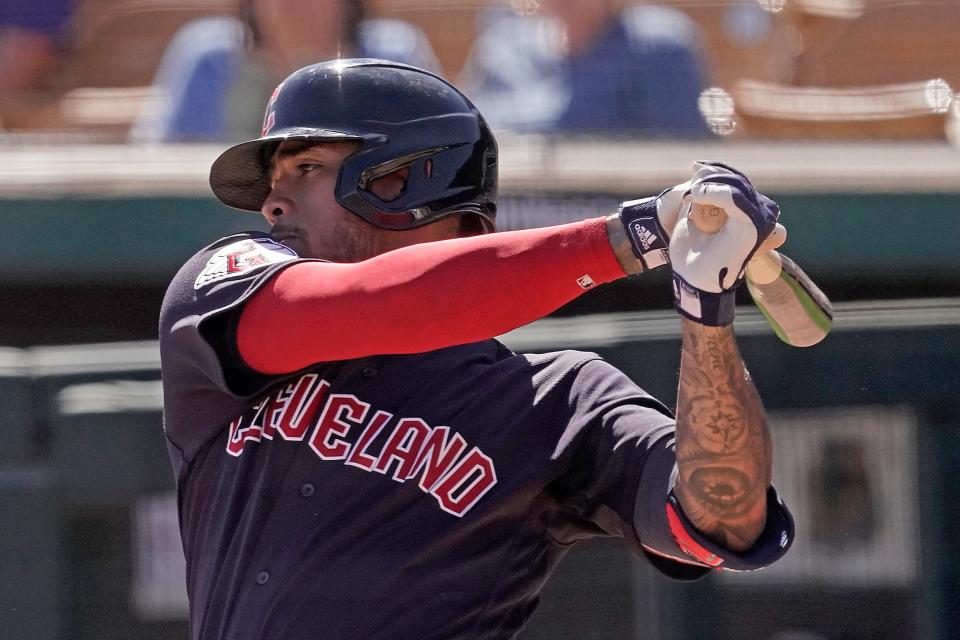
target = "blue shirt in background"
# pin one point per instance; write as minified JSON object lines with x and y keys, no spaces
{"x":643,"y":75}
{"x":46,"y":17}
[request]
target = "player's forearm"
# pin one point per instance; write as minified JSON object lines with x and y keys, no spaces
{"x":423,"y":297}
{"x":723,"y":445}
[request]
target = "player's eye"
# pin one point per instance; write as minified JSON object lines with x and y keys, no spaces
{"x":307,"y":167}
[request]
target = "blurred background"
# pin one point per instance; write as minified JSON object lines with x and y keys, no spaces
{"x":844,"y":111}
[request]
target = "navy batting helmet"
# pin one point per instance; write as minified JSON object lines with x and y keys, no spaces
{"x":402,"y":116}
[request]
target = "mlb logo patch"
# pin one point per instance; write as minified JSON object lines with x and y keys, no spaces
{"x":243,"y":257}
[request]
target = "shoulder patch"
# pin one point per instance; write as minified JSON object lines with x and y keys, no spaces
{"x":242,"y":257}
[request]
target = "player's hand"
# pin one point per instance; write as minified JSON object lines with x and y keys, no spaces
{"x":707,"y":267}
{"x":649,"y":223}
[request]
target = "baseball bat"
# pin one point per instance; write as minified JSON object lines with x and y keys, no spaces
{"x":798,"y":311}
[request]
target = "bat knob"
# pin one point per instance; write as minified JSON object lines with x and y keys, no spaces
{"x":764,"y":268}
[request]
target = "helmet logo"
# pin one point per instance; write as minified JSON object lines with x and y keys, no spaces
{"x":270,"y":118}
{"x":268,"y":122}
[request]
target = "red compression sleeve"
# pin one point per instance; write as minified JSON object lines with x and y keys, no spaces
{"x":421,"y":297}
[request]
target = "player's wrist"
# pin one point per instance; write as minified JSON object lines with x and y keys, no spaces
{"x":703,"y":307}
{"x":620,"y":244}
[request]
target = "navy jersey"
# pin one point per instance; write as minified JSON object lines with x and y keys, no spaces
{"x":400,"y":496}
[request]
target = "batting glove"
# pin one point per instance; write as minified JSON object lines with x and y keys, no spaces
{"x":649,"y":222}
{"x":707,"y":268}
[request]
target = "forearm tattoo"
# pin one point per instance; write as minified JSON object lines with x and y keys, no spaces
{"x":723,"y":445}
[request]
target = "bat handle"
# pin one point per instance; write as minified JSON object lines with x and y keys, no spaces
{"x":797,"y":310}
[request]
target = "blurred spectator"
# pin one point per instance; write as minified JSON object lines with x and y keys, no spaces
{"x":33,"y":34}
{"x":590,"y":66}
{"x":216,"y":72}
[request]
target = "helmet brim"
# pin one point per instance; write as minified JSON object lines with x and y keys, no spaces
{"x":240,"y":176}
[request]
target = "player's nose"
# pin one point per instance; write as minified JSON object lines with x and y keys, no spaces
{"x":276,"y":206}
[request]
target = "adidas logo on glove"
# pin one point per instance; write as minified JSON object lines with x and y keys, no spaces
{"x":644,"y":237}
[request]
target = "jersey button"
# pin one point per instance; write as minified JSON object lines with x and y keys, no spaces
{"x":369,"y":372}
{"x":307,"y":490}
{"x":263,"y":577}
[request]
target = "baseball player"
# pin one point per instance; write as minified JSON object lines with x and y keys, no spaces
{"x":357,"y":458}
